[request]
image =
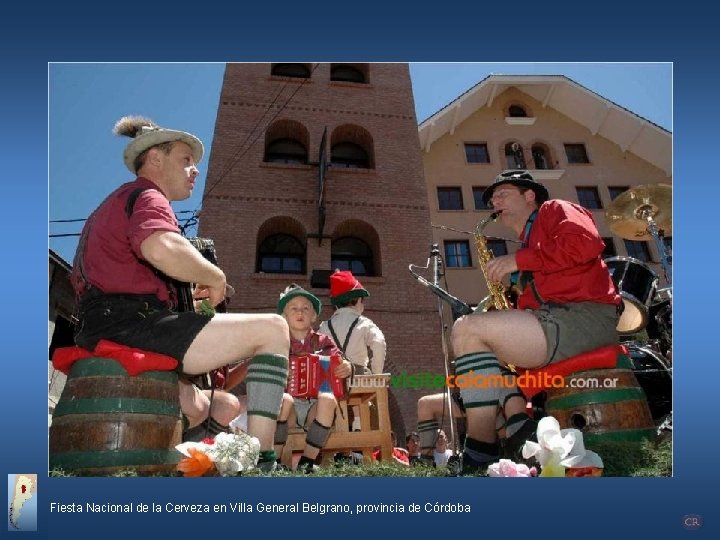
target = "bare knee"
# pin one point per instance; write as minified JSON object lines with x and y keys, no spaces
{"x":278,"y":341}
{"x":466,"y":335}
{"x":326,"y":401}
{"x":194,"y":405}
{"x":286,"y":407}
{"x":426,"y":406}
{"x":326,"y":409}
{"x":225,"y":407}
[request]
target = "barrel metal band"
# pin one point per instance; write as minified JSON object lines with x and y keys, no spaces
{"x":117,"y":405}
{"x":592,"y":398}
{"x":113,"y":458}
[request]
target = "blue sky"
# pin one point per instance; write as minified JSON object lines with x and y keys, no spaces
{"x":85,"y":101}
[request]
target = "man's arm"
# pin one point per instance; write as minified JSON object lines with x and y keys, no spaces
{"x":175,"y":257}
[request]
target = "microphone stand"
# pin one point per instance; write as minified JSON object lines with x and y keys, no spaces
{"x":437,"y":273}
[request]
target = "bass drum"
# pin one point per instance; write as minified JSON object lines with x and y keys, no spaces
{"x":654,"y":374}
{"x":635,"y":282}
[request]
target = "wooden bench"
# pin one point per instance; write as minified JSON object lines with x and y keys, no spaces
{"x":369,"y":393}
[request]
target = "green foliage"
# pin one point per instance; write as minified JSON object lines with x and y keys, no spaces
{"x":648,"y":459}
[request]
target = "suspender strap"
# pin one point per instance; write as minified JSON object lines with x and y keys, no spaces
{"x":343,"y":347}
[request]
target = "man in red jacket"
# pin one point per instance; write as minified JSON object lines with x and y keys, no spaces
{"x":567,"y":305}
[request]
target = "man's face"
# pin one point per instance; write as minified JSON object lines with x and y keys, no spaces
{"x":300,"y":314}
{"x":511,"y":201}
{"x":179,"y":171}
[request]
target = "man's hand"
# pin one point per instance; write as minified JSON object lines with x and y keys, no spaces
{"x":214,"y":294}
{"x":499,"y":267}
{"x":344,"y":370}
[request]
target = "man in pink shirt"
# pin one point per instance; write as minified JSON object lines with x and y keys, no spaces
{"x":129,"y":253}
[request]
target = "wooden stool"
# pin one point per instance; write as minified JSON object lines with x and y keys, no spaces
{"x":373,"y":434}
{"x":616,"y":412}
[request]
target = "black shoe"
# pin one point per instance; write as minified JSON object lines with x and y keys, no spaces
{"x":306,"y":465}
{"x":512,"y":446}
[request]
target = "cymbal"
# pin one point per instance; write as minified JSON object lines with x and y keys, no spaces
{"x":628,"y":215}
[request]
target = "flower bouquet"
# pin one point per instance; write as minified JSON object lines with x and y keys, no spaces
{"x":227,"y":454}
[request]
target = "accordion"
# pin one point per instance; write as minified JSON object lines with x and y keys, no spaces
{"x":313,"y":373}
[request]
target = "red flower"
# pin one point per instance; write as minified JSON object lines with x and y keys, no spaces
{"x":196,"y":465}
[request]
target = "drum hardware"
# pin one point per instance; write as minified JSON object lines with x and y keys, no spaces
{"x":654,"y":374}
{"x":659,"y":328}
{"x":636,"y":283}
{"x":642,"y":212}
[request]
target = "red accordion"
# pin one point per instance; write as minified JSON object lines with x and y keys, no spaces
{"x":313,"y":373}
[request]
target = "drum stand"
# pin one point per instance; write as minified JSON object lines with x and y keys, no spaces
{"x":645,"y":212}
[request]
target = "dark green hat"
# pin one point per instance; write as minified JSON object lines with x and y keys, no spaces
{"x":519,"y":178}
{"x":294,"y":290}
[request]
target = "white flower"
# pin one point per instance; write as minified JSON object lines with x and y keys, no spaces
{"x":558,"y":448}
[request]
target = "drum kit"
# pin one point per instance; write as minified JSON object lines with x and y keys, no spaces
{"x":641,"y":213}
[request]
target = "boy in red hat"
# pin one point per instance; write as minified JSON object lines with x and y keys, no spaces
{"x":358,"y":337}
{"x":354,"y":333}
{"x":301,"y":308}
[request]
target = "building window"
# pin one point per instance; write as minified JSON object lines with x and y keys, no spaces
{"x":576,"y":153}
{"x":589,"y":197}
{"x":477,"y":196}
{"x":638,"y":250}
{"x":350,"y":253}
{"x":514,"y":156}
{"x":616,"y":190}
{"x":285,"y":151}
{"x":457,"y":253}
{"x":516,"y":111}
{"x":541,"y":157}
{"x":609,"y":250}
{"x":300,"y":71}
{"x":281,"y":254}
{"x":498,"y":247}
{"x":356,"y":73}
{"x":450,"y":198}
{"x":477,"y":153}
{"x":351,"y":146}
{"x":349,"y":155}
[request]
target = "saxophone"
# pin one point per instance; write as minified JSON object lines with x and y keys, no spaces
{"x":496,"y":297}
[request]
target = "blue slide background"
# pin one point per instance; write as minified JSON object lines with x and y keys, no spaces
{"x":611,"y":31}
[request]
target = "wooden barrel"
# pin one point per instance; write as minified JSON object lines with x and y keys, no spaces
{"x":107,"y":421}
{"x":605,"y":411}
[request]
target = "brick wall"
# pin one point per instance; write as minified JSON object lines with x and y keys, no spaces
{"x":388,"y":202}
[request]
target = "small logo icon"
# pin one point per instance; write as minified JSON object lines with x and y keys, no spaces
{"x":692,"y":521}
